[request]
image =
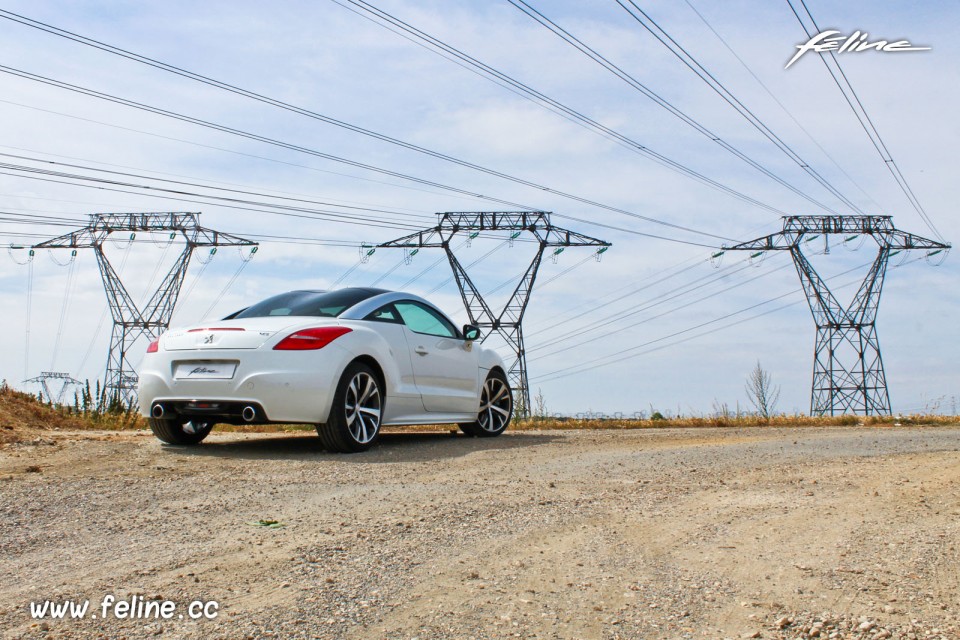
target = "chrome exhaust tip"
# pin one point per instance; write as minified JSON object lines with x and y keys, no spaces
{"x":249,"y":414}
{"x":157,"y":410}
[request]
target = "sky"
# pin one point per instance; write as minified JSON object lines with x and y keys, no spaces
{"x":656,"y":324}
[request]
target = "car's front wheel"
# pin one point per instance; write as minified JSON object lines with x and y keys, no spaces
{"x":354,"y":422}
{"x":496,"y":408}
{"x":182,"y":432}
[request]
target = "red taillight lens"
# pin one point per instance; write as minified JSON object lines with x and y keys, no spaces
{"x":154,"y":346}
{"x":308,"y":339}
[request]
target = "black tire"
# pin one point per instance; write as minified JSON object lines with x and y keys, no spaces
{"x":180,"y":432}
{"x":494,"y":416}
{"x":354,"y":421}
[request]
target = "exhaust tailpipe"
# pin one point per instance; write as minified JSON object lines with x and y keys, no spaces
{"x":157,"y":410}
{"x":249,"y":414}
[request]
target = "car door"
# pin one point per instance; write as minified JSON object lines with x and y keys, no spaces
{"x":405,"y":400}
{"x":445,"y":366}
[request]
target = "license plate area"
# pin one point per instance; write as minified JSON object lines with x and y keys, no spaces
{"x":204,"y":370}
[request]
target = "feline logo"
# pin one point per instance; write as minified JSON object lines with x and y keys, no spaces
{"x":208,"y":339}
{"x":202,"y":370}
{"x":855,"y":43}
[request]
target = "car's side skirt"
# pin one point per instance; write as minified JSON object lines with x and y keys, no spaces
{"x":432,"y":418}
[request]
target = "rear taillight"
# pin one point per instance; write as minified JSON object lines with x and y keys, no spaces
{"x":308,"y":339}
{"x":154,"y":346}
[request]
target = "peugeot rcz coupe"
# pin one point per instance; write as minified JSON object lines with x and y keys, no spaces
{"x":350,"y":361}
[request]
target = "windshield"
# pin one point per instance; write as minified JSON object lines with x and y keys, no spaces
{"x":328,"y":304}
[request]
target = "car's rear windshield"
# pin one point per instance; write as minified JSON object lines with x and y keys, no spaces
{"x":328,"y":304}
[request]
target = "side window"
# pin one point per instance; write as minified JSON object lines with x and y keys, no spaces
{"x":423,"y":319}
{"x":386,"y":313}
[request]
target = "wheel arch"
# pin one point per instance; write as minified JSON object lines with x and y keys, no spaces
{"x":500,"y":370}
{"x":490,"y":360}
{"x":371,"y":362}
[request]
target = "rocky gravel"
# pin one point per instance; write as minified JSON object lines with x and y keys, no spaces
{"x":708,"y":533}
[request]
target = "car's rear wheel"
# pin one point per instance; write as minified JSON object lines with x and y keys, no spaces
{"x":354,"y":422}
{"x":496,"y":408}
{"x":182,"y":432}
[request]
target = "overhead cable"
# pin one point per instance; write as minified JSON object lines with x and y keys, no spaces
{"x":619,"y":72}
{"x":856,"y":105}
{"x":701,"y":72}
{"x":48,"y":28}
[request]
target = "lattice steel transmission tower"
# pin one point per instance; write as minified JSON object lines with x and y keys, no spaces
{"x":129,"y":321}
{"x":66,"y":381}
{"x":508,"y":323}
{"x":847,"y":367}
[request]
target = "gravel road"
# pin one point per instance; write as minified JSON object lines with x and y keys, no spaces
{"x":673,"y":533}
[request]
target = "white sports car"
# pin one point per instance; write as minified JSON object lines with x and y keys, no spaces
{"x":350,"y":361}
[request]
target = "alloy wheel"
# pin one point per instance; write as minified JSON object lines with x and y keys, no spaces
{"x":495,"y":405}
{"x":363,"y":405}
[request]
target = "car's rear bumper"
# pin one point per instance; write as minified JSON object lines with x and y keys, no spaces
{"x":300,"y":390}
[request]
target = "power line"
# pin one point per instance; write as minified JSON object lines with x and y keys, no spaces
{"x":54,"y":163}
{"x":36,"y":24}
{"x":646,"y":306}
{"x":846,"y":89}
{"x":39,"y":220}
{"x":163,"y":112}
{"x":780,"y":104}
{"x":223,"y":292}
{"x":51,"y":221}
{"x":606,"y":360}
{"x":318,"y":214}
{"x":560,"y":374}
{"x":182,"y":302}
{"x":475,"y":262}
{"x":243,"y":134}
{"x":673,"y":293}
{"x":541,"y":98}
{"x":542,"y":283}
{"x":430,"y":267}
{"x":631,"y":81}
{"x":334,"y":202}
{"x":197,"y":184}
{"x":298,"y":148}
{"x":243,"y":154}
{"x":684,"y":56}
{"x":230,"y":203}
{"x":595,"y":304}
{"x":10,"y":216}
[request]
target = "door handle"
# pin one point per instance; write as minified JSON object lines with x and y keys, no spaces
{"x":421,"y":351}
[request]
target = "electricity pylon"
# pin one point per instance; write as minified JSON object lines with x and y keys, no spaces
{"x":847,"y":366}
{"x":508,"y":323}
{"x":66,"y":381}
{"x":129,"y":321}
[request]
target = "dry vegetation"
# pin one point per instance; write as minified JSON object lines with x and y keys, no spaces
{"x":732,"y":421}
{"x":22,"y":415}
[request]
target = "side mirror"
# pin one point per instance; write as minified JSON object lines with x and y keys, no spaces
{"x":471,"y":332}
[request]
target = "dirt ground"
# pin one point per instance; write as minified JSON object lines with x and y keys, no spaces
{"x":681,"y":533}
